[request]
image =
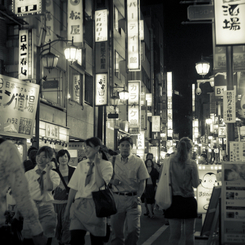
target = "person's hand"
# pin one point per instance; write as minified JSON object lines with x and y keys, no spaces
{"x":136,"y":202}
{"x":116,"y":182}
{"x":49,"y":166}
{"x":98,"y":157}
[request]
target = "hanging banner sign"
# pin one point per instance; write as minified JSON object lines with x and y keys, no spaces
{"x":156,"y":124}
{"x":75,"y":21}
{"x":134,"y":88}
{"x":101,"y":24}
{"x":229,"y":105}
{"x":76,"y":88}
{"x":229,"y":22}
{"x":27,"y":7}
{"x":134,"y":59}
{"x":23,"y":54}
{"x":233,"y":203}
{"x":49,"y":21}
{"x":101,"y":89}
{"x":18,"y":105}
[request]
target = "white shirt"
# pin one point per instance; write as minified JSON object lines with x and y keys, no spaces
{"x":34,"y":186}
{"x":78,"y":178}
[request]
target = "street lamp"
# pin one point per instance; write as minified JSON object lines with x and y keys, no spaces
{"x":202,"y":67}
{"x":49,"y":61}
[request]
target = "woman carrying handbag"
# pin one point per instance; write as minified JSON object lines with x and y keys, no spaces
{"x":183,"y":177}
{"x":90,"y":175}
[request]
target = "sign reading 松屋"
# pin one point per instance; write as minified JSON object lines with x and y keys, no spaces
{"x":229,"y":22}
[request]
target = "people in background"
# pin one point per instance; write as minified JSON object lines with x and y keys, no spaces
{"x":128,"y":185}
{"x":42,"y":180}
{"x":30,"y":163}
{"x":89,"y":176}
{"x":184,"y":176}
{"x":150,"y":188}
{"x":61,"y":195}
{"x":12,"y":175}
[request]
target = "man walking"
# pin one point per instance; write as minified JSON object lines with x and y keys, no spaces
{"x":128,"y":185}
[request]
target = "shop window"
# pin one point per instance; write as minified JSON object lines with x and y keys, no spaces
{"x":89,"y":97}
{"x":52,"y":88}
{"x":118,"y":59}
{"x":116,"y":19}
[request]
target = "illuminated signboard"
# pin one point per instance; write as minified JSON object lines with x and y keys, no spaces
{"x":49,"y":21}
{"x":18,"y":104}
{"x":23,"y":54}
{"x":229,"y":22}
{"x":101,"y":89}
{"x":75,"y":20}
{"x":76,"y":88}
{"x":141,"y":140}
{"x":156,"y":123}
{"x":134,"y":60}
{"x":134,"y":88}
{"x":27,"y":7}
{"x":101,"y":25}
{"x":229,"y":106}
{"x":169,"y":104}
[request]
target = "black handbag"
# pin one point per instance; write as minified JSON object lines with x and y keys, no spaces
{"x":105,"y":205}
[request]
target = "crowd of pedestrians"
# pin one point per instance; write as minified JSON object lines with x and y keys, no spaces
{"x":54,"y":199}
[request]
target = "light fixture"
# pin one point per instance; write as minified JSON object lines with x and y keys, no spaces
{"x":202,"y":67}
{"x":71,"y":52}
{"x":49,"y":60}
{"x":115,"y":100}
{"x":123,"y":94}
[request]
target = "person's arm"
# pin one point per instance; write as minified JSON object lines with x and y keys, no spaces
{"x":49,"y":185}
{"x":195,"y":176}
{"x":141,"y":188}
{"x":71,"y":196}
{"x":16,"y":179}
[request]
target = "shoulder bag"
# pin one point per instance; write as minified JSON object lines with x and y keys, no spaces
{"x":105,"y":205}
{"x":163,"y":194}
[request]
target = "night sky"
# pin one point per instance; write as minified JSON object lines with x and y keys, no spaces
{"x":184,"y":44}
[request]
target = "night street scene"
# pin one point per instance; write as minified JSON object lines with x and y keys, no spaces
{"x":122,"y":122}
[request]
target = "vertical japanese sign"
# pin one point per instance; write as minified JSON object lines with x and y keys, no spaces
{"x":141,"y":140}
{"x":77,"y":88}
{"x":18,"y":103}
{"x":27,"y":7}
{"x":229,"y":106}
{"x":101,"y":87}
{"x":229,"y":22}
{"x":134,"y":60}
{"x":23,"y":54}
{"x":134,"y":88}
{"x":233,"y":203}
{"x":237,"y":151}
{"x":156,"y":124}
{"x":101,"y":24}
{"x":75,"y":20}
{"x":49,"y":21}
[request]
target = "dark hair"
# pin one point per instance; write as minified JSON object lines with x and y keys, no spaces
{"x":184,"y":146}
{"x":149,"y":154}
{"x":152,"y":164}
{"x":48,"y":151}
{"x":95,"y":141}
{"x":61,"y":153}
{"x":32,"y":148}
{"x":112,"y":153}
{"x":126,"y":138}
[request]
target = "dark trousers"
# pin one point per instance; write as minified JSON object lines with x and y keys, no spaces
{"x":78,"y":238}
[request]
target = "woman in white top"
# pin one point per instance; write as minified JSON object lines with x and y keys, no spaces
{"x":89,"y":176}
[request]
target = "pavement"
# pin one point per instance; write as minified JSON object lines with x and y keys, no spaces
{"x":153,"y":231}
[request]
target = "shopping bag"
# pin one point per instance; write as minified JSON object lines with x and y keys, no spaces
{"x":163,"y":194}
{"x":104,"y":202}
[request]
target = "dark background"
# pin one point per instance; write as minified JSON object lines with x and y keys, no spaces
{"x":184,"y":44}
